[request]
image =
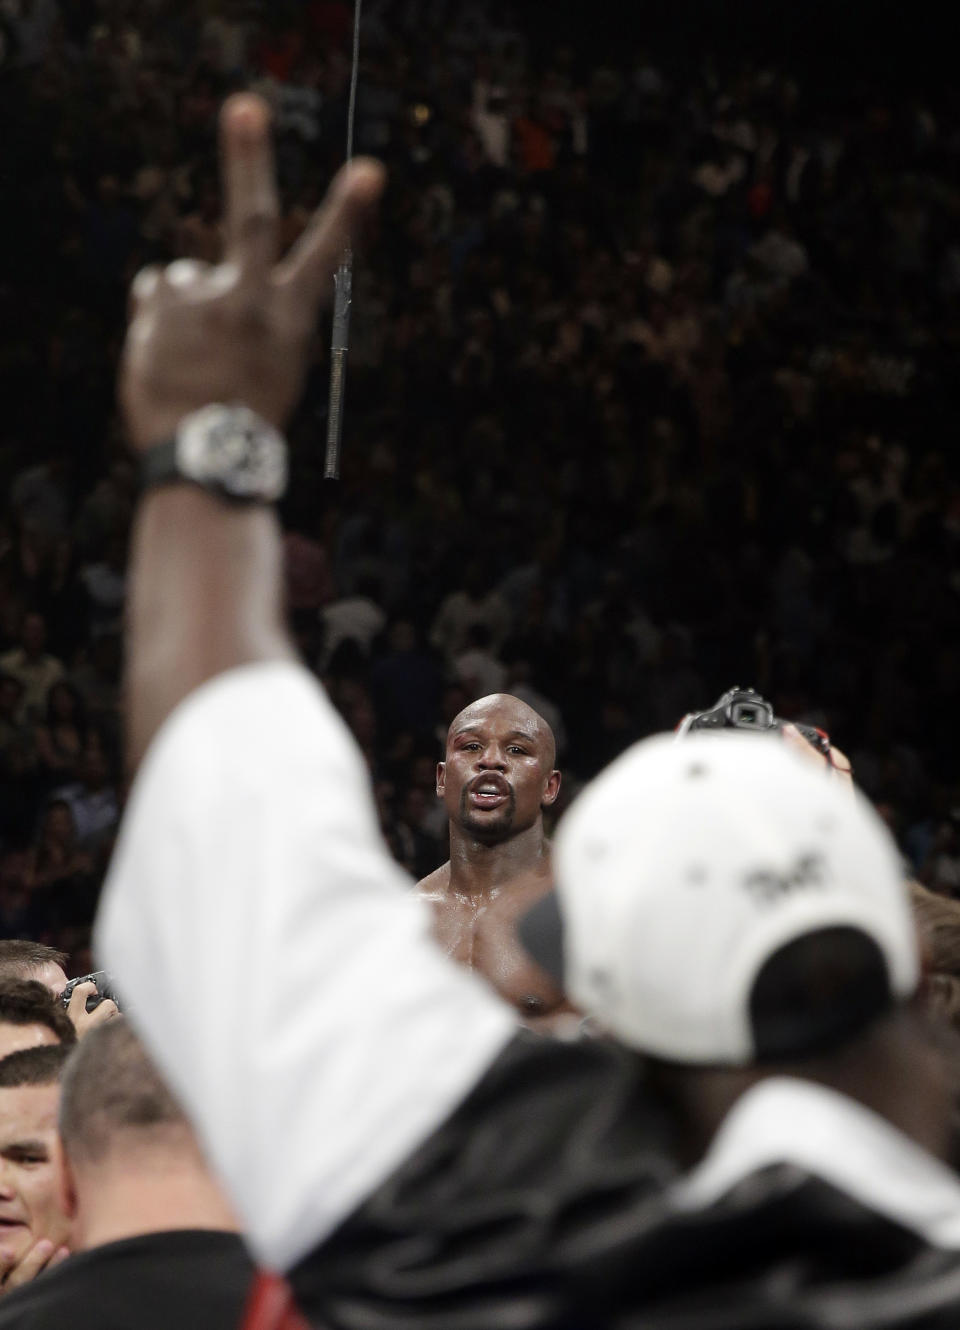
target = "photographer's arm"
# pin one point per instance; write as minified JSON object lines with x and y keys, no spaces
{"x":263,"y":940}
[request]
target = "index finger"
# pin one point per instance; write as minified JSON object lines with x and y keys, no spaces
{"x":78,"y":998}
{"x":251,"y":210}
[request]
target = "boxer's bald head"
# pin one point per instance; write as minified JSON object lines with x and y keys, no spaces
{"x":499,"y":771}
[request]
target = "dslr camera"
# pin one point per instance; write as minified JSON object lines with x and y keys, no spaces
{"x":105,"y":989}
{"x":745,"y":709}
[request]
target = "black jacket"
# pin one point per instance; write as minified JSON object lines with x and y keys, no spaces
{"x":550,"y":1201}
{"x":184,"y":1280}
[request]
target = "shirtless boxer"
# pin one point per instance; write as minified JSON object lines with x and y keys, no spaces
{"x":498,"y":777}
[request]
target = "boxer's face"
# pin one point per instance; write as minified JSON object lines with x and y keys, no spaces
{"x":498,"y":775}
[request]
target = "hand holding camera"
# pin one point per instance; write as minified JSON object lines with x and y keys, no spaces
{"x":744,"y":709}
{"x":90,"y":1001}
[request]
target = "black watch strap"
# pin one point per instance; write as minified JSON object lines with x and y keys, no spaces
{"x":158,"y":466}
{"x":227,"y":450}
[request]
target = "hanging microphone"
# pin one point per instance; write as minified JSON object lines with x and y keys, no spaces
{"x":342,"y":298}
{"x":339,"y":345}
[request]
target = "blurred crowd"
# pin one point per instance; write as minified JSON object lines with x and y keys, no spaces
{"x":651,"y":392}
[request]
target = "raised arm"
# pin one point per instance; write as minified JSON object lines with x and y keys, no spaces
{"x":205,"y":584}
{"x":265,"y":943}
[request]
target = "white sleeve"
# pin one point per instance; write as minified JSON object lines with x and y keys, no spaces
{"x":276,"y":962}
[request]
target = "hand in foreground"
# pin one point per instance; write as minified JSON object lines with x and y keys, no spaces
{"x":42,"y":1255}
{"x":84,"y":1021}
{"x":239,"y":332}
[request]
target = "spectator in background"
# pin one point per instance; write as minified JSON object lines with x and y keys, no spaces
{"x":406,"y":680}
{"x":62,"y":736}
{"x":97,"y":680}
{"x":475,"y":603}
{"x":30,"y":1017}
{"x":60,"y":874}
{"x":941,"y":868}
{"x":34,"y":1229}
{"x":491,"y":120}
{"x":356,"y":618}
{"x":109,"y":234}
{"x":104,"y":582}
{"x":12,"y":728}
{"x":307,"y":572}
{"x":32,"y":666}
{"x":39,"y":496}
{"x":40,"y":969}
{"x":199,"y":236}
{"x":93,"y":799}
{"x":535,"y":140}
{"x":478,"y":669}
{"x":155,"y":1240}
{"x":15,"y":918}
{"x":226,"y":34}
{"x":418,"y":848}
{"x":21,"y":959}
{"x":21,"y":789}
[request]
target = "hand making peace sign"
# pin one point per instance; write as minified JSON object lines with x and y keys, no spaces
{"x":238,"y":332}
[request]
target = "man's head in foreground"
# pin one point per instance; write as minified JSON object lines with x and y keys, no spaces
{"x":30,"y":1016}
{"x":30,"y":1205}
{"x":131,"y":1164}
{"x":721,"y":904}
{"x":499,"y":773}
{"x":22,"y":959}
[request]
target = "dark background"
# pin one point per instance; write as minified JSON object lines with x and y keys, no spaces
{"x":658,"y":396}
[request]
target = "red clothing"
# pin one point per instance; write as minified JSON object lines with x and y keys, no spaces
{"x":278,"y":55}
{"x":271,"y":1306}
{"x":536,"y":148}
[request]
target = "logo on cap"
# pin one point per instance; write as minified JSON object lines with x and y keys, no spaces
{"x":767,"y":885}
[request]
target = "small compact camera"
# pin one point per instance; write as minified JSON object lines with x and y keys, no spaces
{"x":105,"y":990}
{"x":745,"y":709}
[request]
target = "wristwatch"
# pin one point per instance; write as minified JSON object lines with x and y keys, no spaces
{"x":228,"y":450}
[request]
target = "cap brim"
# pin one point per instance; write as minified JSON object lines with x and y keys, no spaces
{"x":541,"y":932}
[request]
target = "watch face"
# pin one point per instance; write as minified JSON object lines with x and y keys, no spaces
{"x":233,"y":450}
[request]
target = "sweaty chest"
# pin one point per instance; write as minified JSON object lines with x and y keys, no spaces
{"x":482,"y":937}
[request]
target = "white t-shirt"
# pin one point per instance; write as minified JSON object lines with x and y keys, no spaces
{"x":276,"y":962}
{"x":283,"y":975}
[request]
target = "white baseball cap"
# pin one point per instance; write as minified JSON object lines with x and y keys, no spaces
{"x":685,"y":867}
